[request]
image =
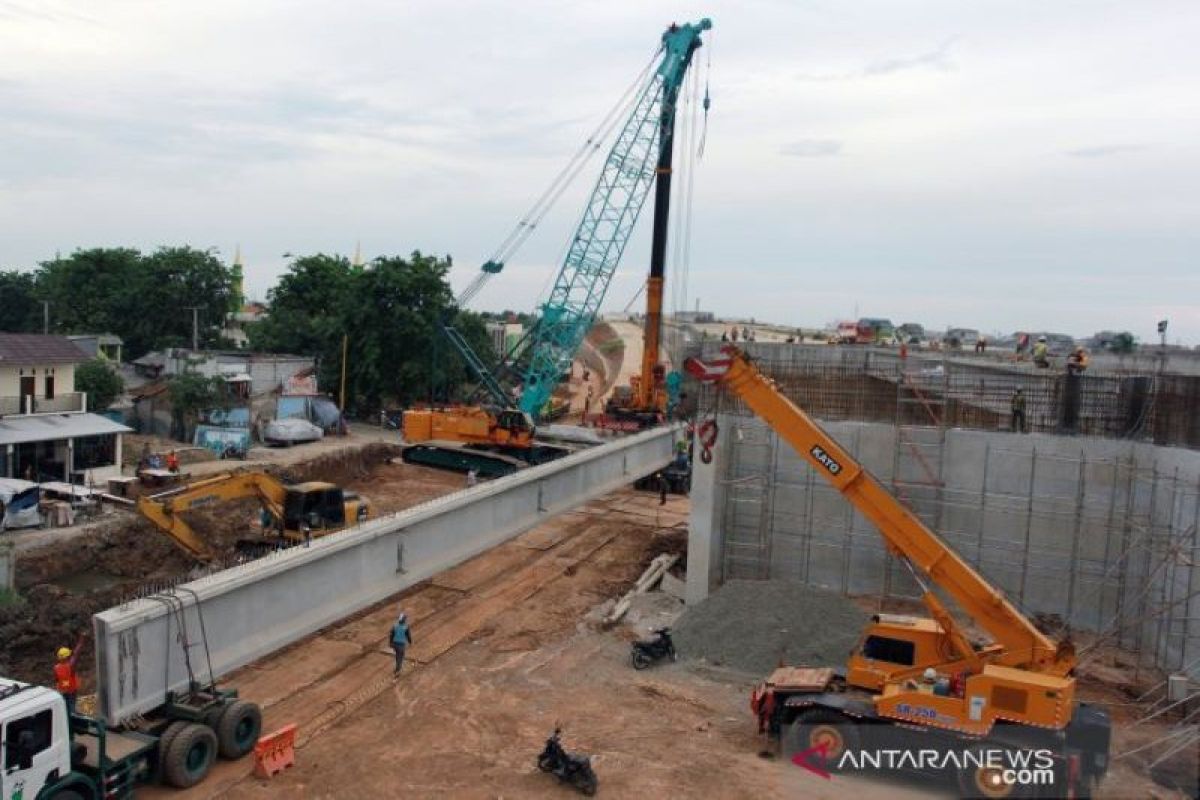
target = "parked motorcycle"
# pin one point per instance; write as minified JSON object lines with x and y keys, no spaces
{"x":646,"y":651}
{"x":571,"y":768}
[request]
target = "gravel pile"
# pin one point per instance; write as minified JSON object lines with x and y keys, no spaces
{"x":753,"y":625}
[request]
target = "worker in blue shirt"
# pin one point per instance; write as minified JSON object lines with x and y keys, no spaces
{"x":401,"y":638}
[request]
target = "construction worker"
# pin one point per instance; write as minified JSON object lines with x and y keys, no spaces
{"x":1022,"y":345}
{"x":172,"y":462}
{"x":1077,"y":362}
{"x":1017,"y":403}
{"x":663,"y":486}
{"x":1041,"y":353}
{"x":65,"y":679}
{"x":401,"y":639}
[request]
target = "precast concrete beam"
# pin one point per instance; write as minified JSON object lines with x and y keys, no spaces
{"x":213,"y":625}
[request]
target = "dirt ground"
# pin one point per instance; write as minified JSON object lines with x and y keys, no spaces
{"x":62,"y":584}
{"x":506,"y":647}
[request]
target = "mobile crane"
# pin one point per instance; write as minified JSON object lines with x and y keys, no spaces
{"x":489,"y":438}
{"x":297,"y":511}
{"x":1017,"y":691}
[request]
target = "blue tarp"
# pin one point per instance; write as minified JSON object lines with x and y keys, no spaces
{"x":231,"y":418}
{"x":320,"y":411}
{"x":218,"y":439}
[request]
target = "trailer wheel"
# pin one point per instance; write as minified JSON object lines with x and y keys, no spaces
{"x":164,"y":743}
{"x":988,"y":783}
{"x":190,"y":756}
{"x":820,"y":730}
{"x":66,"y":794}
{"x":238,"y":728}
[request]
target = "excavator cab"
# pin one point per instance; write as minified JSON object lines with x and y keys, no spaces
{"x":314,"y":505}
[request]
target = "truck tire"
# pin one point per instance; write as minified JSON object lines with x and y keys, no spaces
{"x":238,"y":729}
{"x":164,"y":743}
{"x":67,"y":794}
{"x":820,"y":728}
{"x":986,"y":784}
{"x":190,"y":756}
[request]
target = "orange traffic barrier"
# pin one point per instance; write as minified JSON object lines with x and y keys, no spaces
{"x":275,"y":752}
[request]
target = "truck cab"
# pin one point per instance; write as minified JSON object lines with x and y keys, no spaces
{"x":34,"y":738}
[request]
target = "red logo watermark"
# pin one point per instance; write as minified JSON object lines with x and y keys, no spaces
{"x":802,"y":759}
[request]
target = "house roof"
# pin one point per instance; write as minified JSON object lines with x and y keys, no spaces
{"x":49,"y":427}
{"x":102,"y":338}
{"x":36,"y":348}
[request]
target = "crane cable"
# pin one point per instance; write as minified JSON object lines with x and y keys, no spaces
{"x":707,"y":98}
{"x":558,"y":186}
{"x":685,"y":191}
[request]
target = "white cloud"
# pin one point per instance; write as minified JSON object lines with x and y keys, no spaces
{"x":997,"y":149}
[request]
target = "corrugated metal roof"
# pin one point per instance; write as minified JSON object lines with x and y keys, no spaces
{"x":48,"y":427}
{"x":36,"y":348}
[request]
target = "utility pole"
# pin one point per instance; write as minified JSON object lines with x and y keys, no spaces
{"x":45,"y":316}
{"x":345,"y":347}
{"x":195,"y":326}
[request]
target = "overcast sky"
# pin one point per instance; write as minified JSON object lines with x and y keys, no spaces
{"x":997,"y":165}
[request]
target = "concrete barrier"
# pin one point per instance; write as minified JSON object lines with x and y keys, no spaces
{"x":230,"y":618}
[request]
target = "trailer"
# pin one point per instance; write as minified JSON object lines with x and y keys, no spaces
{"x":173,"y":739}
{"x":54,"y":755}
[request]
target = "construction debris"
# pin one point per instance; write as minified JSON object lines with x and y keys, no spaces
{"x":648,"y":580}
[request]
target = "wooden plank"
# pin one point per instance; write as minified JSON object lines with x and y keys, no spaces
{"x":549,"y":534}
{"x":481,"y":569}
{"x":473,"y":611}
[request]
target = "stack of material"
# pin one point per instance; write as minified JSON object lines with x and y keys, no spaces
{"x":756,"y":626}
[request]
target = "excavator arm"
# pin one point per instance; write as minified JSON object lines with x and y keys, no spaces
{"x":164,"y":509}
{"x":1021,"y":644}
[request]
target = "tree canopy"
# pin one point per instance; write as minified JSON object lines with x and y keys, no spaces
{"x":101,"y":382}
{"x":143,"y":298}
{"x":389,"y":309}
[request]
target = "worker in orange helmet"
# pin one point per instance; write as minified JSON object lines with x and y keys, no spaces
{"x":65,"y":679}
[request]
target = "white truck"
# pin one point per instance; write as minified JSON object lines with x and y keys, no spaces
{"x":50,"y":755}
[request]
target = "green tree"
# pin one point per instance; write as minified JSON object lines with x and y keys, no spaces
{"x":307,"y":306}
{"x":389,"y":310}
{"x":20,"y":311}
{"x":192,"y":393}
{"x":101,"y":382}
{"x":90,"y":291}
{"x":144,"y":299}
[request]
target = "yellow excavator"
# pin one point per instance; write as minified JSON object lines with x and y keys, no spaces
{"x":923,"y":682}
{"x":294,"y":512}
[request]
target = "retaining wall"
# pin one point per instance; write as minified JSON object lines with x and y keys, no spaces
{"x":238,"y":615}
{"x":1102,"y":533}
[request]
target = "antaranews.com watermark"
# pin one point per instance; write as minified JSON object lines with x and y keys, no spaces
{"x":999,"y":767}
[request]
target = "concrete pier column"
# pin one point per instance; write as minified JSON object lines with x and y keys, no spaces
{"x":704,"y":526}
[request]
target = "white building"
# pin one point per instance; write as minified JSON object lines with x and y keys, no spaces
{"x":46,"y":433}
